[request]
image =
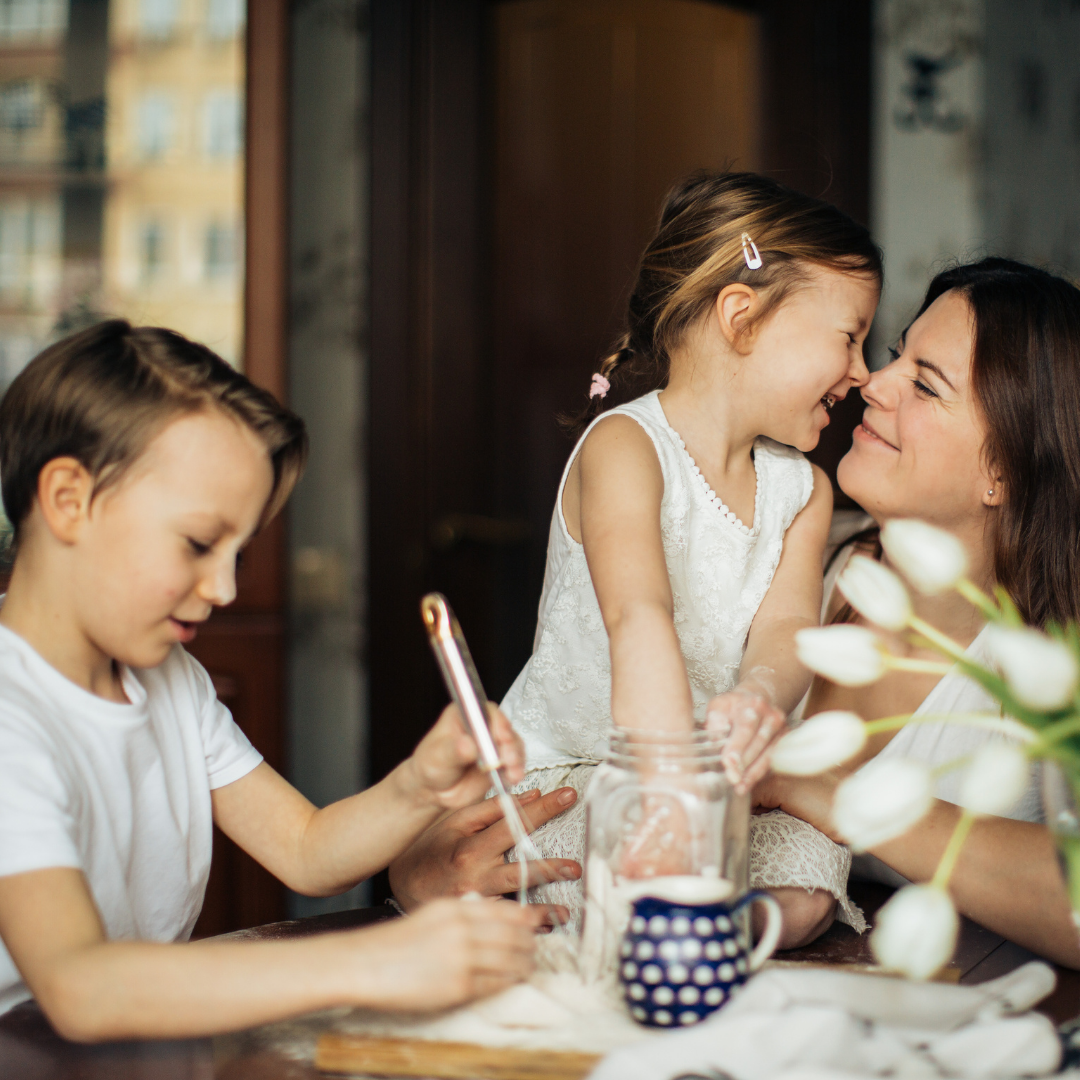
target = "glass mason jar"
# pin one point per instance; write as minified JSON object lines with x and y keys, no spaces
{"x":659,"y":807}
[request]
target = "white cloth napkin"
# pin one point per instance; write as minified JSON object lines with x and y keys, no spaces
{"x":828,"y":1025}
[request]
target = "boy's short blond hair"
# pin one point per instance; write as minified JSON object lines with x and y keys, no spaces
{"x":101,"y":395}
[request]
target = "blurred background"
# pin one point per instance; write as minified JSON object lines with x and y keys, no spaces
{"x":417,"y":220}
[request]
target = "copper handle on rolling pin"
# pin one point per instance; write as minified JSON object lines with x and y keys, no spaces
{"x":459,"y":673}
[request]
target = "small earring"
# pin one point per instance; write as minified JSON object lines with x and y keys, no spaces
{"x":753,"y":261}
{"x":990,"y":492}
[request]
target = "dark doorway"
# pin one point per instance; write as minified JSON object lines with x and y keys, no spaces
{"x":520,"y":151}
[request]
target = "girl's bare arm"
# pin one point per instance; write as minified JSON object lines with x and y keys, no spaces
{"x":616,"y":499}
{"x":771,"y":679}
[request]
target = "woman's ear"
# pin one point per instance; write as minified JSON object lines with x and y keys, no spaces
{"x":994,"y":495}
{"x":736,"y":306}
{"x":64,"y":493}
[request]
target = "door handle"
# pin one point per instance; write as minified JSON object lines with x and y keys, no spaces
{"x":453,"y":529}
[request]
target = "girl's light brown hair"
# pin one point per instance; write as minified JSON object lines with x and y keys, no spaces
{"x":101,"y":395}
{"x":697,"y":252}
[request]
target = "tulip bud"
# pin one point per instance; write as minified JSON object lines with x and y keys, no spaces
{"x":995,"y":779}
{"x":916,"y":931}
{"x":931,"y":559}
{"x":819,"y":743}
{"x":844,"y":654}
{"x":1040,"y":671}
{"x":875,"y":592}
{"x":881,"y":801}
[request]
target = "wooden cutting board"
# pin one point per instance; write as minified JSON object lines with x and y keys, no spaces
{"x":360,"y":1054}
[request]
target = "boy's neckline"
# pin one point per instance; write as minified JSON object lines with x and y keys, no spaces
{"x":131,"y":712}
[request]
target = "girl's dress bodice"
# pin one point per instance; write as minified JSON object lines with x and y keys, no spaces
{"x":719,"y":569}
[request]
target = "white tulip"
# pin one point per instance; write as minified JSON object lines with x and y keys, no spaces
{"x":844,"y":654}
{"x":1040,"y":671}
{"x":881,"y":801}
{"x":916,"y":931}
{"x":875,"y":592}
{"x":930,"y":558}
{"x":819,"y":743}
{"x":995,"y":779}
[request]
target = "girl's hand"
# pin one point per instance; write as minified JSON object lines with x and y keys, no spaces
{"x":809,"y":798}
{"x":448,"y":953}
{"x":751,"y":724}
{"x":443,"y":769}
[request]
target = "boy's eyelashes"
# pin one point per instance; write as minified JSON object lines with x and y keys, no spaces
{"x":198,"y":547}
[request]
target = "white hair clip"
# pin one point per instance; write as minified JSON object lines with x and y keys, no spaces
{"x":750,"y":252}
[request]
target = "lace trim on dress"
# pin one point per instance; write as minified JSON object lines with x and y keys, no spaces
{"x":715,"y":499}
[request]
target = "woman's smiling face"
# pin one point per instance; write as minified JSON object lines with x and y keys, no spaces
{"x":919,"y":449}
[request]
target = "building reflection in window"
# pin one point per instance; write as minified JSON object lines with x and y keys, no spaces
{"x":121,"y":169}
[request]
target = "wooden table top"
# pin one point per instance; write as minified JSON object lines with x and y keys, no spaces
{"x":30,"y":1050}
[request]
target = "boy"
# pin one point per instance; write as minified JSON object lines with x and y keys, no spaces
{"x":135,"y":466}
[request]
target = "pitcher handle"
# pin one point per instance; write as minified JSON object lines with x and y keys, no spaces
{"x":773,"y":925}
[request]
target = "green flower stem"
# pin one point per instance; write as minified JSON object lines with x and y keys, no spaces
{"x":1059,"y":730}
{"x":952,"y":850}
{"x":906,"y":663}
{"x":1001,"y":725}
{"x":977,"y":598}
{"x":940,"y":641}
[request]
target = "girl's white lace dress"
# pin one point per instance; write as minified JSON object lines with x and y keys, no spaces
{"x":720,"y":570}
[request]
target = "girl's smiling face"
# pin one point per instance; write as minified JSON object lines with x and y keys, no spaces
{"x":809,"y":353}
{"x":919,"y":449}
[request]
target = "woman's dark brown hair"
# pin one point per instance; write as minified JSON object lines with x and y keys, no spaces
{"x":1025,"y":372}
{"x":697,"y":252}
{"x":101,"y":395}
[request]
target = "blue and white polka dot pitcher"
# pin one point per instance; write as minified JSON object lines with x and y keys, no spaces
{"x":681,"y":960}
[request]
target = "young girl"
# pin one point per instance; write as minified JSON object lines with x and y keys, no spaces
{"x":136,"y":466}
{"x":687,"y":537}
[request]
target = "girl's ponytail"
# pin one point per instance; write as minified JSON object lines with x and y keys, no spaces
{"x":699,"y":249}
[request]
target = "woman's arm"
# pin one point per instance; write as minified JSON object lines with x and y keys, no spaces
{"x":92,"y":989}
{"x":1007,"y":877}
{"x":771,"y":679}
{"x":465,"y":852}
{"x":616,"y":499}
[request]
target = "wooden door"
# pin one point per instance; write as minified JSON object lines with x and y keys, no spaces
{"x":519,"y":153}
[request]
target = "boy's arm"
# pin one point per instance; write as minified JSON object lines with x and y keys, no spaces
{"x":771,"y":679}
{"x":621,"y":488}
{"x":92,"y":989}
{"x":324,"y":852}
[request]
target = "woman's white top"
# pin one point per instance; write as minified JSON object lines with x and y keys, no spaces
{"x":932,"y":743}
{"x":720,"y":570}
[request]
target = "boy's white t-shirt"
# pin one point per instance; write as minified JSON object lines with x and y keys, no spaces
{"x":120,"y":792}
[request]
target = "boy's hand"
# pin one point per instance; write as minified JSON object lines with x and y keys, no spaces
{"x":448,"y":953}
{"x":751,"y":724}
{"x":443,"y":769}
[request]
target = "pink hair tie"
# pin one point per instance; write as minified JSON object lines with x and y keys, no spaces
{"x":600,"y":386}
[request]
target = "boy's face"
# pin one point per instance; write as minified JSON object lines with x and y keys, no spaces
{"x":158,"y":551}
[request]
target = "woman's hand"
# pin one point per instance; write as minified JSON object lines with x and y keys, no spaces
{"x":464,"y":852}
{"x":444,"y":767}
{"x":807,"y":797}
{"x":450,"y":952}
{"x":750,"y":724}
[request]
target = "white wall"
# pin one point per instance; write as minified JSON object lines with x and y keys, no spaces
{"x":328,"y":357}
{"x":926,"y":169}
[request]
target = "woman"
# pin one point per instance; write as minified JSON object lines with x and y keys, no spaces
{"x":974,"y":427}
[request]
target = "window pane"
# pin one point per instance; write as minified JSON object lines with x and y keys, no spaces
{"x":121,"y":169}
